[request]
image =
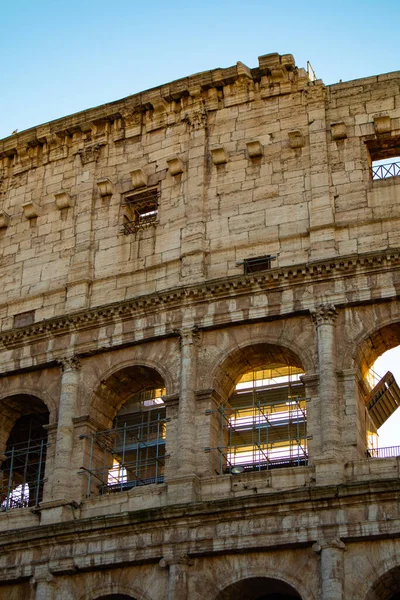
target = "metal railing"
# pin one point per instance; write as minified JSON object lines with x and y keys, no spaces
{"x":388,"y":452}
{"x":23,"y":475}
{"x":385,"y":171}
{"x":128,"y":456}
{"x":140,"y":223}
{"x":267,"y":434}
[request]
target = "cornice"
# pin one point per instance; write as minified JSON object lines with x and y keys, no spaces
{"x":328,"y":497}
{"x":157,"y":107}
{"x":274,"y":279}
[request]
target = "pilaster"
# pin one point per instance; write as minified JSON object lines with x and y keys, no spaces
{"x":178,"y":568}
{"x":324,"y":317}
{"x":332,"y":568}
{"x":62,"y":484}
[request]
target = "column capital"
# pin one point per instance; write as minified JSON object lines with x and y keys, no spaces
{"x":336,"y":543}
{"x":189,"y":335}
{"x":176,"y":560}
{"x":70,"y":363}
{"x":324,"y":313}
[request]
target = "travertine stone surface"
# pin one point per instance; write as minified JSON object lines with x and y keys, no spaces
{"x":125,"y":234}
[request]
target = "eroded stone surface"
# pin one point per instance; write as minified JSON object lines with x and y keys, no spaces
{"x":125,"y":241}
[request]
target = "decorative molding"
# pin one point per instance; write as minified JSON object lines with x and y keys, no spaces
{"x":90,"y":154}
{"x":176,"y":560}
{"x":189,"y":335}
{"x":196,"y":120}
{"x":206,"y":291}
{"x":186,"y":100}
{"x":70,"y":363}
{"x":324,"y":314}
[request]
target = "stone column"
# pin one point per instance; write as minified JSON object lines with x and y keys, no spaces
{"x":332,"y":569}
{"x":324,"y":318}
{"x":43,"y":584}
{"x":183,"y":483}
{"x":177,"y":576}
{"x":322,"y":209}
{"x":65,"y":428}
{"x":193,"y":234}
{"x":187,"y":402}
{"x":354,"y":435}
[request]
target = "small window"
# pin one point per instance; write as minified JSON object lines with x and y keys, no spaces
{"x":140,"y":211}
{"x":384,"y":158}
{"x":257,"y":263}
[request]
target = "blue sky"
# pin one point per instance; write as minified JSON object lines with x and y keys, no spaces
{"x":60,"y":57}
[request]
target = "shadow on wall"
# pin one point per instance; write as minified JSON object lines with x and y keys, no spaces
{"x":259,"y":588}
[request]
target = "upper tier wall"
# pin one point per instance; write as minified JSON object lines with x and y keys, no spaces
{"x":246,"y":162}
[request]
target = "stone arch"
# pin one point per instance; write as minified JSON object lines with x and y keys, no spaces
{"x":34,"y":392}
{"x":374,"y":343}
{"x":281,"y":581}
{"x":157,"y":366}
{"x":23,"y":445}
{"x":246,"y":356}
{"x":14,"y":406}
{"x":372,"y":330}
{"x":383,"y":581}
{"x":386,"y":587}
{"x":296,"y":334}
{"x":100,"y":368}
{"x":114,"y":591}
{"x":115,"y":597}
{"x":120,"y":383}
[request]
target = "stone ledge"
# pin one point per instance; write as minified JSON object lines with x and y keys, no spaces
{"x":209,"y":290}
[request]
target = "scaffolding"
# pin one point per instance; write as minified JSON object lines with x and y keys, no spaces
{"x":22,"y":471}
{"x":264,"y":426}
{"x":132,"y":453}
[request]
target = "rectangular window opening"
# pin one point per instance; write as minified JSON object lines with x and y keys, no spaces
{"x":384,"y":158}
{"x":140,"y":211}
{"x":257,"y":264}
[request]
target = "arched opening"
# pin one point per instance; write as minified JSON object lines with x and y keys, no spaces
{"x":24,"y":442}
{"x":387,"y":587}
{"x":263,"y":423}
{"x":115,"y":597}
{"x":380,"y":357}
{"x":131,"y":452}
{"x":259,"y":588}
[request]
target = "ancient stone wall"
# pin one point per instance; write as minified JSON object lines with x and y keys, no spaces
{"x":127,"y":234}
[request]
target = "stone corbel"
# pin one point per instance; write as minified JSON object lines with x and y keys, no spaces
{"x":139,"y":178}
{"x":219,"y":156}
{"x":4,"y":219}
{"x":254,"y":149}
{"x":31,"y":209}
{"x":339,"y":131}
{"x":382,"y":124}
{"x":105,"y":187}
{"x":63,"y":200}
{"x":296,"y":139}
{"x":175,"y":166}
